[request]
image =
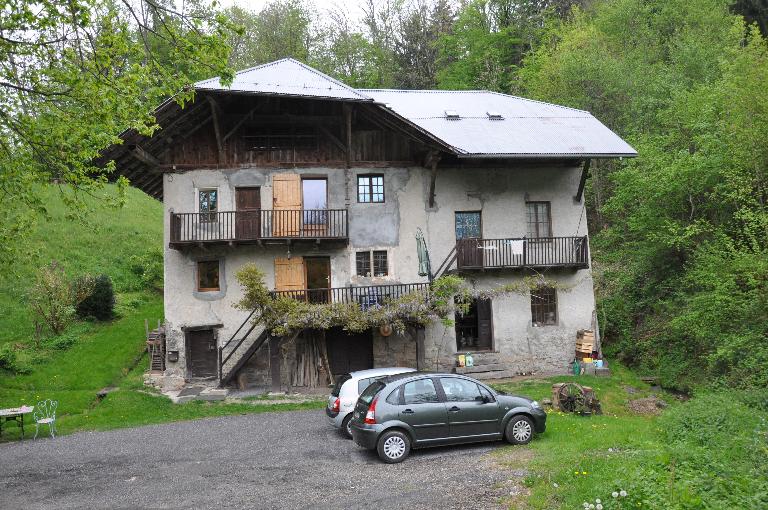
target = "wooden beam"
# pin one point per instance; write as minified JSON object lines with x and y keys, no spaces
{"x":432,"y":159}
{"x":240,"y":123}
{"x":348,"y":123}
{"x":216,"y":127}
{"x":145,"y":157}
{"x":583,"y":181}
{"x":274,"y":362}
{"x":333,"y":138}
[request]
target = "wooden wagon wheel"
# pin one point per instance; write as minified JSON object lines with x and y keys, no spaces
{"x":571,"y":397}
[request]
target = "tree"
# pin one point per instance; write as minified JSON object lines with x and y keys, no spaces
{"x":76,"y":73}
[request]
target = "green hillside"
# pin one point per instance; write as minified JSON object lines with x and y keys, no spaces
{"x":103,"y":244}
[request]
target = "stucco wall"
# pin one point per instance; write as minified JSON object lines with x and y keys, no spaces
{"x":499,"y":193}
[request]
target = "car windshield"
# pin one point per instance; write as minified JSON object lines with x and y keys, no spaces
{"x":371,"y":391}
{"x":339,"y":383}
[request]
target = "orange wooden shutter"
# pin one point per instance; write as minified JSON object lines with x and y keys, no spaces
{"x":290,"y":274}
{"x":286,"y":203}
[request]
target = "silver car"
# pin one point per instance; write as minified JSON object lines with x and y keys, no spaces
{"x":346,"y":391}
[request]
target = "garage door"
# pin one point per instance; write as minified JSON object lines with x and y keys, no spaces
{"x":348,"y":352}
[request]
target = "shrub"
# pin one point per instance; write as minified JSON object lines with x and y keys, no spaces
{"x":100,"y":303}
{"x":149,"y":268}
{"x":9,"y":360}
{"x":62,"y":342}
{"x":50,"y":298}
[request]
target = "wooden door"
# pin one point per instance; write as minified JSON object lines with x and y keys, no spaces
{"x":201,"y":353}
{"x":290,"y":275}
{"x":348,"y":352}
{"x":318,"y":279}
{"x":484,"y":325}
{"x":247,"y":221}
{"x":286,"y":205}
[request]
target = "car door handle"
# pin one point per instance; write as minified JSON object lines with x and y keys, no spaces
{"x":408,"y":411}
{"x":454,"y":409}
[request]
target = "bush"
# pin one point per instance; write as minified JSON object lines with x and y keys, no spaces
{"x":51,"y":299}
{"x":149,"y":268}
{"x":62,"y":342}
{"x":9,"y":360}
{"x":100,"y":303}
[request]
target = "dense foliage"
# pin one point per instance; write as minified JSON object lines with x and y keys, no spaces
{"x":682,"y":231}
{"x":99,"y":303}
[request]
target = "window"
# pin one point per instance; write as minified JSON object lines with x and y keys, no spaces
{"x":208,"y":203}
{"x":363,"y":262}
{"x":370,"y":188}
{"x":362,"y":384}
{"x":468,"y":225}
{"x":420,"y":392}
{"x":380,"y":263}
{"x":208,"y":275}
{"x":539,"y":219}
{"x":460,"y":390}
{"x":486,"y":394}
{"x":544,"y":306}
{"x":377,"y":259}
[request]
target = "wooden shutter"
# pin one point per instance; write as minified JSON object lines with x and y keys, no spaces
{"x":286,"y":203}
{"x":290,"y":274}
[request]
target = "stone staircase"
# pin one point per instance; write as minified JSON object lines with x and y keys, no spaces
{"x":487,"y":365}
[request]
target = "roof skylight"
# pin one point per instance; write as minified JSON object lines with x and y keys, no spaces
{"x":452,"y":115}
{"x":494,"y":115}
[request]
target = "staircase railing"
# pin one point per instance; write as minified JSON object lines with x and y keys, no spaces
{"x":446,"y":264}
{"x":223,"y":360}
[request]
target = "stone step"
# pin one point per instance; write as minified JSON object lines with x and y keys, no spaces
{"x":485,"y":357}
{"x":496,"y":374}
{"x":481,"y":367}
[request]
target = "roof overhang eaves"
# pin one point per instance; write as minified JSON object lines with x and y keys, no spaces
{"x":548,"y":155}
{"x":366,"y":100}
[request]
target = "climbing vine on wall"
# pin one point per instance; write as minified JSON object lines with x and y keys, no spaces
{"x":283,"y":315}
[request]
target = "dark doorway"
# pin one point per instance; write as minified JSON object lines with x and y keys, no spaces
{"x":474,"y":330}
{"x":318,"y":278}
{"x":201,"y":353}
{"x":247,"y":224}
{"x":469,"y":232}
{"x":348,"y":352}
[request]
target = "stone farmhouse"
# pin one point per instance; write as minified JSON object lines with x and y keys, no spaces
{"x":325,"y":188}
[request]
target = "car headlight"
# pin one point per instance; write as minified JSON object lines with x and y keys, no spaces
{"x":535,"y":405}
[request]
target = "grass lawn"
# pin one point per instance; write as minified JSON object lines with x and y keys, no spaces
{"x":581,"y":458}
{"x":111,"y":355}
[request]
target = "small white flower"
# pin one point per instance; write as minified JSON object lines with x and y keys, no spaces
{"x":555,"y":485}
{"x":615,"y":494}
{"x":598,"y":501}
{"x":623,"y":493}
{"x":598,"y":507}
{"x":586,"y":505}
{"x":591,"y":506}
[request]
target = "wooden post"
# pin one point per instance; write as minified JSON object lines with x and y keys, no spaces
{"x":582,"y":181}
{"x":348,"y":124}
{"x":274,"y":362}
{"x":217,"y":127}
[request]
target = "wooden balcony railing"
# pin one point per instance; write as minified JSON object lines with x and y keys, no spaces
{"x":366,"y":297}
{"x":252,"y":226}
{"x":522,"y":252}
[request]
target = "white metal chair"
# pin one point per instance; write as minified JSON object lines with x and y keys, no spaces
{"x":45,"y":414}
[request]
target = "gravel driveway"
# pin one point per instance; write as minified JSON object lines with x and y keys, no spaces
{"x":271,"y":460}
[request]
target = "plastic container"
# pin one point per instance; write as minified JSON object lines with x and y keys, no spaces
{"x":468,"y":360}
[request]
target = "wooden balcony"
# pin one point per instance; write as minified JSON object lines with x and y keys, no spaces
{"x":480,"y":254}
{"x":259,"y":227}
{"x":366,"y":297}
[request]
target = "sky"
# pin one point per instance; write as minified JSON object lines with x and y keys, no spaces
{"x":352,"y":6}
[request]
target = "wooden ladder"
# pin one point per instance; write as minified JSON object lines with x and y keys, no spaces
{"x":156,"y":347}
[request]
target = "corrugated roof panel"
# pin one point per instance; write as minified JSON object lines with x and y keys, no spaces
{"x":286,"y":77}
{"x":527,"y":128}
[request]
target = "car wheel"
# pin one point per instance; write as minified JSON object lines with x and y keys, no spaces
{"x":393,"y":446}
{"x":519,"y":430}
{"x":346,"y":426}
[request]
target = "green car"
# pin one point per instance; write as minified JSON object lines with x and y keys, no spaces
{"x":416,"y":410}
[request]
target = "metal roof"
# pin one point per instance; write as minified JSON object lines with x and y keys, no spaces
{"x":526,"y":128}
{"x":286,"y":77}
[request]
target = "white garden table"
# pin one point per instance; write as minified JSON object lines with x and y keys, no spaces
{"x":14,"y":414}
